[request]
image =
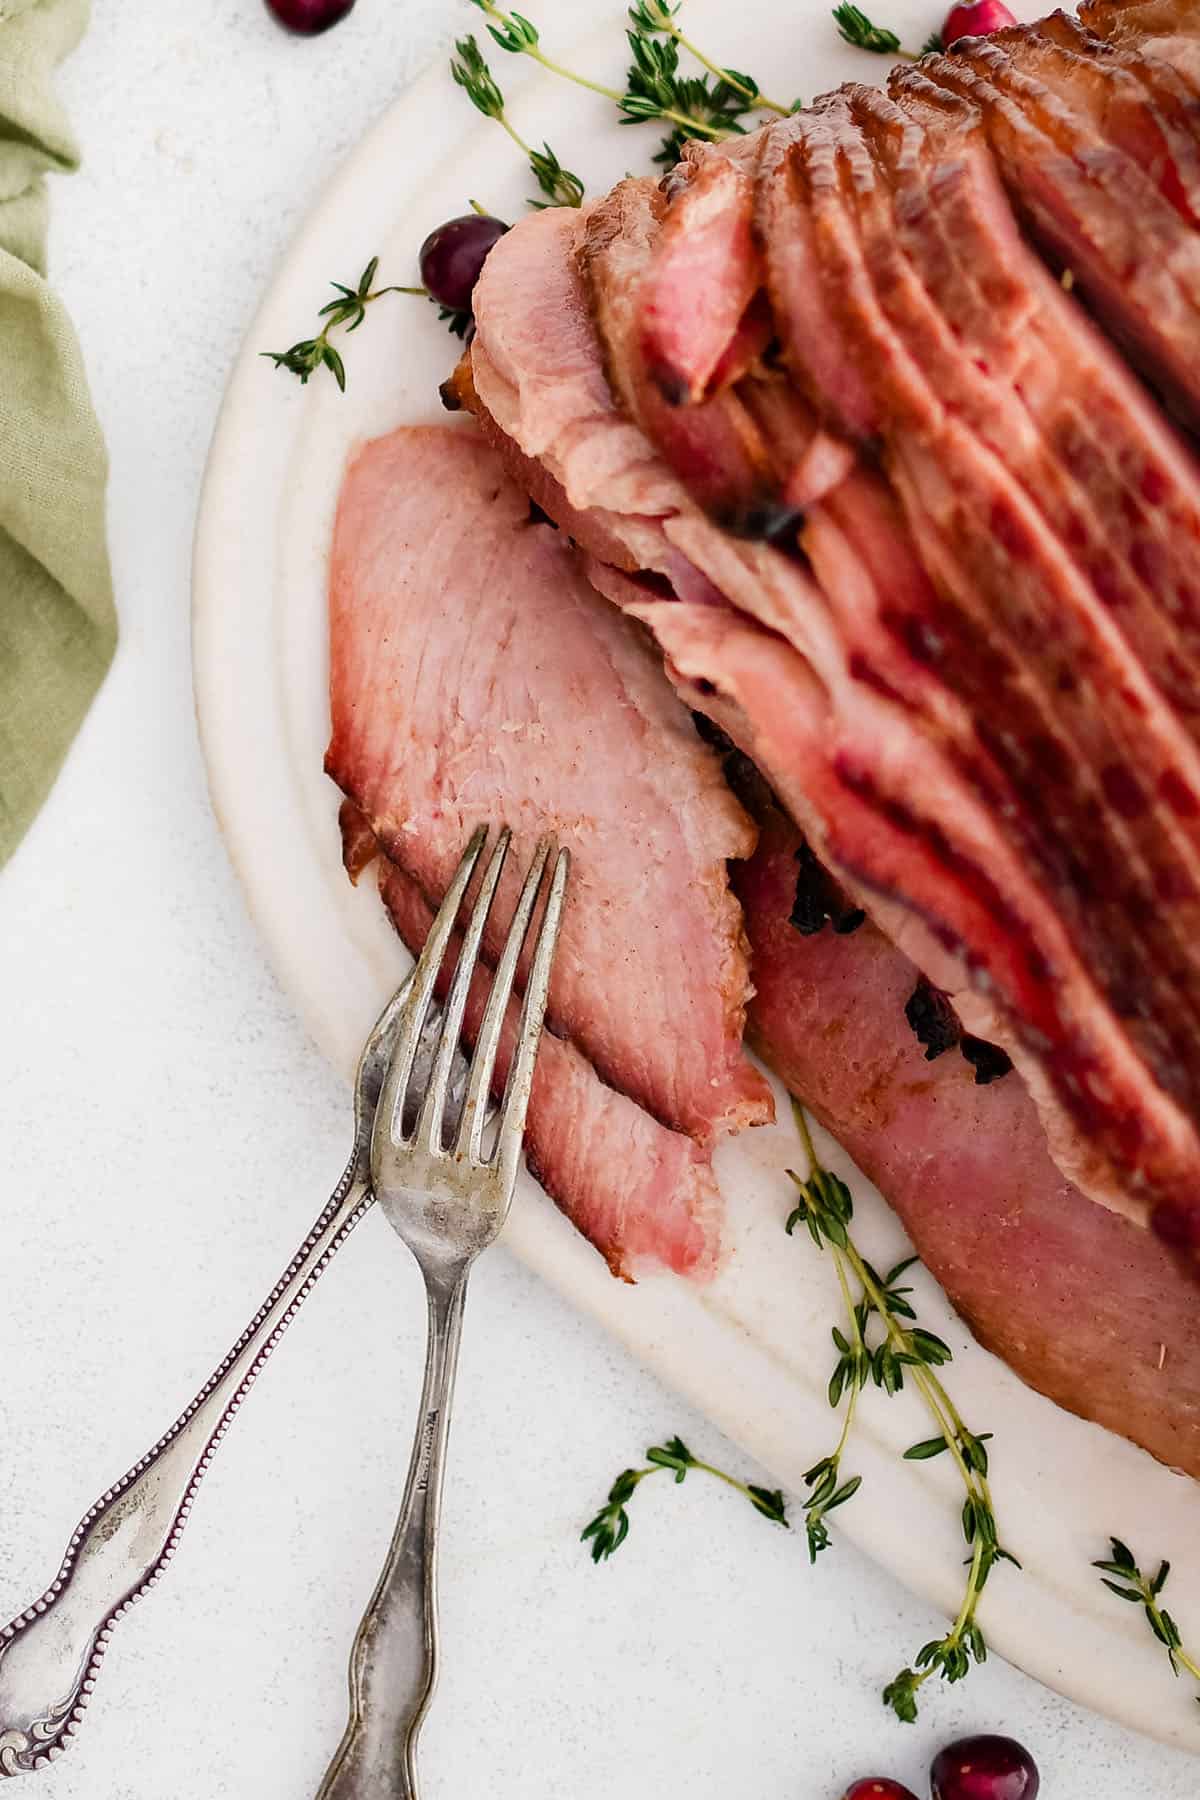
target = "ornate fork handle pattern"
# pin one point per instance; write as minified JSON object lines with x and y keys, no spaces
{"x":50,"y":1653}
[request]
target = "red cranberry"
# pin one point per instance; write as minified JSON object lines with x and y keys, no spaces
{"x":878,"y":1787}
{"x":307,"y":17}
{"x":453,"y":255}
{"x":984,"y":1768}
{"x":975,"y":18}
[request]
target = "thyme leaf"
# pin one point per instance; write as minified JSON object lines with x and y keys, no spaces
{"x":610,"y":1527}
{"x":470,"y":70}
{"x":855,"y":27}
{"x":657,"y":18}
{"x":709,"y":108}
{"x":1144,"y":1591}
{"x":348,"y":309}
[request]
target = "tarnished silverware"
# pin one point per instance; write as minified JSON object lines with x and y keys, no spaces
{"x":50,"y":1653}
{"x":447,"y":1203}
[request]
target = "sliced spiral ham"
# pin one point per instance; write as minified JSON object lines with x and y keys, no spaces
{"x":873,"y":436}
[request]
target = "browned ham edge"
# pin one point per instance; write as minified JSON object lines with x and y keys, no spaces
{"x":904,"y":523}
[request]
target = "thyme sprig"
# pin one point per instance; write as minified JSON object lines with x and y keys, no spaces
{"x":610,"y":1527}
{"x":657,"y":18}
{"x":858,"y":1363}
{"x":1141,"y":1590}
{"x":855,"y":27}
{"x":826,"y":1207}
{"x":349,"y":309}
{"x":469,"y":69}
{"x":654,"y":88}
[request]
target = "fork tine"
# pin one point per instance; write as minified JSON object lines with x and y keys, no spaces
{"x":430,"y":1119}
{"x":474,"y":1113}
{"x":390,"y":1112}
{"x":520,"y":1075}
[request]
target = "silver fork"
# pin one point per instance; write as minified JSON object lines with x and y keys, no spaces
{"x":448,"y":1204}
{"x":50,"y":1653}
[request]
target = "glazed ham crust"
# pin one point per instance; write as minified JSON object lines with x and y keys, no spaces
{"x":1035,"y":653}
{"x":859,"y":547}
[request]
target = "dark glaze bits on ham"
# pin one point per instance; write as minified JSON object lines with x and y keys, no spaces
{"x":1000,"y":783}
{"x":932,"y":1019}
{"x":989,"y":1061}
{"x":764,"y":522}
{"x":936,"y":1027}
{"x":819,"y":901}
{"x":1073,"y":1297}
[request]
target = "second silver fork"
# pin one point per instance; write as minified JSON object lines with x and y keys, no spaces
{"x":447,"y":1202}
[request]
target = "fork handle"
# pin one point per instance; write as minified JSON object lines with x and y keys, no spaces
{"x":49,"y":1653}
{"x":393,"y":1666}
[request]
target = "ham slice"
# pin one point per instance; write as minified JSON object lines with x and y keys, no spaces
{"x":1081,"y":1304}
{"x":1092,"y":207}
{"x":707,"y":254}
{"x":1164,"y":31}
{"x":1084,"y":444}
{"x":645,"y":1196}
{"x":957,"y":890}
{"x":1143,"y":107}
{"x":476,"y":677}
{"x":826,"y":742}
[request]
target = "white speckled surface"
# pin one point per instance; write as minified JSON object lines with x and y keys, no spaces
{"x":707,"y":1658}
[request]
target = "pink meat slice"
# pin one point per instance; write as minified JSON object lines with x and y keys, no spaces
{"x":1142,"y":106}
{"x":475,"y":677}
{"x":883,"y":751}
{"x":893,"y":813}
{"x":1023,"y":640}
{"x":645,"y":1196}
{"x":706,"y":271}
{"x":1166,"y":31}
{"x":537,"y":372}
{"x":1090,"y":206}
{"x":562,"y":392}
{"x":1081,"y":1304}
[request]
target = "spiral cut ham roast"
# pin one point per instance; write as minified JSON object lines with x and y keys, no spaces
{"x":868,"y":438}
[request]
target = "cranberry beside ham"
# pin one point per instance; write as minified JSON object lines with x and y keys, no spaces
{"x":976,"y":18}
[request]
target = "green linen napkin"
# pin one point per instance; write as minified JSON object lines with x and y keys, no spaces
{"x":57,"y":623}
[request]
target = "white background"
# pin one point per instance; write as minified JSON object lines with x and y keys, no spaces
{"x":168,"y":1133}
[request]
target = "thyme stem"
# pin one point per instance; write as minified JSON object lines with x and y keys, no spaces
{"x":610,"y":1527}
{"x":826,"y":1207}
{"x":860,"y":1347}
{"x":349,"y":309}
{"x":514,"y":33}
{"x":657,"y":15}
{"x":1132,"y":1585}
